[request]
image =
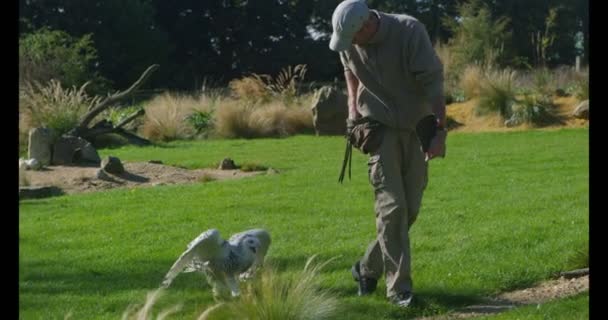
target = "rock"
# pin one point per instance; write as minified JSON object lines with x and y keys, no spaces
{"x":70,"y":150}
{"x":112,"y":165}
{"x":227,"y":164}
{"x":39,"y":192}
{"x":102,"y":175}
{"x":40,"y":144}
{"x":582,"y":110}
{"x":22,"y":164}
{"x":272,"y":171}
{"x":29,"y":164}
{"x":329,"y":111}
{"x":33,"y":164}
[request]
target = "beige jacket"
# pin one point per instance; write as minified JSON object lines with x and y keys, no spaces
{"x":398,"y":71}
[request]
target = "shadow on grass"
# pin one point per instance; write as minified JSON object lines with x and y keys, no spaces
{"x":144,"y":275}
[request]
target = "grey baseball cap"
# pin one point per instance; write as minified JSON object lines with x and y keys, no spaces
{"x":348,"y":18}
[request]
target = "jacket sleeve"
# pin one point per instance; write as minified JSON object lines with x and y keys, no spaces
{"x":423,"y":62}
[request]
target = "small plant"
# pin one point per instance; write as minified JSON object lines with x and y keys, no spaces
{"x":53,"y":106}
{"x":260,"y":88}
{"x":118,"y":114}
{"x":470,"y":81}
{"x":201,"y":121}
{"x":497,"y":93}
{"x":237,"y":120}
{"x":582,"y":88}
{"x":165,"y":114}
{"x":145,"y":311}
{"x":206,"y":178}
{"x":580,"y":258}
{"x":532,"y":109}
{"x":543,"y":81}
{"x":276,"y":296}
{"x":247,"y":167}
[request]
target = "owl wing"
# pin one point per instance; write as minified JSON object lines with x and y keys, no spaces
{"x":207,"y":246}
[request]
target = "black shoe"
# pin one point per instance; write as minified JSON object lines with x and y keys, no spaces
{"x":402,"y":300}
{"x":366,"y":285}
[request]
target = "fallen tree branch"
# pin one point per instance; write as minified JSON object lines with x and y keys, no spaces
{"x":574,"y":273}
{"x":105,"y":103}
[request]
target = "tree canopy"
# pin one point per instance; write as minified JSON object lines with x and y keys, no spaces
{"x":218,"y":40}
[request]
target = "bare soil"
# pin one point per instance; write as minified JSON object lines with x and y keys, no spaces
{"x":75,"y":179}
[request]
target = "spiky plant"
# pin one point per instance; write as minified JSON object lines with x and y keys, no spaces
{"x":497,"y":92}
{"x":144,"y":312}
{"x":275,"y":296}
{"x":50,"y":105}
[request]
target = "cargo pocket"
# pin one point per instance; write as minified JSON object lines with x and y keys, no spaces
{"x":375,"y":173}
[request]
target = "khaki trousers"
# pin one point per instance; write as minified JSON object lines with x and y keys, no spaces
{"x":398,"y":175}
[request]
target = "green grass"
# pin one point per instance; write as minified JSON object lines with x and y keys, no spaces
{"x":502,"y":211}
{"x":576,"y":307}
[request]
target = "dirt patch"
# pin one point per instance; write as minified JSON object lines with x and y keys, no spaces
{"x":542,"y":293}
{"x":73,"y":179}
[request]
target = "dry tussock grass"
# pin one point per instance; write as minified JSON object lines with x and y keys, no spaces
{"x":470,"y":82}
{"x":166,"y":114}
{"x":236,"y":120}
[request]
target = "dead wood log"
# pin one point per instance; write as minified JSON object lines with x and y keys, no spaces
{"x":104,"y":126}
{"x":574,"y":273}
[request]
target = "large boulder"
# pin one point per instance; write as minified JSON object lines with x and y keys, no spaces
{"x":71,"y":150}
{"x":329,"y":111}
{"x":40,"y":144}
{"x":582,"y":110}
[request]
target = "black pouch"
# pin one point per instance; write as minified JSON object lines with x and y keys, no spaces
{"x":366,"y":135}
{"x":426,"y":129}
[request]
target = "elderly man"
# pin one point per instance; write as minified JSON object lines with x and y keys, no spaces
{"x":395,"y":79}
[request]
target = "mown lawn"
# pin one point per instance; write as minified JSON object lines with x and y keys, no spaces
{"x":502,"y":211}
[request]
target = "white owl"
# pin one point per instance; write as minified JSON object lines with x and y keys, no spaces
{"x":222,"y":261}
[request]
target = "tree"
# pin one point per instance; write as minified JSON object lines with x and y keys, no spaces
{"x":124,"y":32}
{"x":47,"y":54}
{"x":478,"y":38}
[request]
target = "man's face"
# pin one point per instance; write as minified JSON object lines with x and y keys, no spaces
{"x":364,"y":34}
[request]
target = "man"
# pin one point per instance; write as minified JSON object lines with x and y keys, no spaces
{"x":393,"y":77}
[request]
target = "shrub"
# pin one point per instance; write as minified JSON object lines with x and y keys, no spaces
{"x":497,"y":93}
{"x":261,"y":88}
{"x":275,"y":296}
{"x":237,"y":120}
{"x":532,"y":109}
{"x":167,"y":117}
{"x":118,"y":114}
{"x":201,"y":121}
{"x":53,"y":106}
{"x":579,"y":258}
{"x":581,"y":87}
{"x":544,"y":82}
{"x":470,"y":82}
{"x":49,"y":54}
{"x":251,"y":89}
{"x":477,"y":38}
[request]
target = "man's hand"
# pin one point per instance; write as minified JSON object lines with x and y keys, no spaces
{"x":437,"y":147}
